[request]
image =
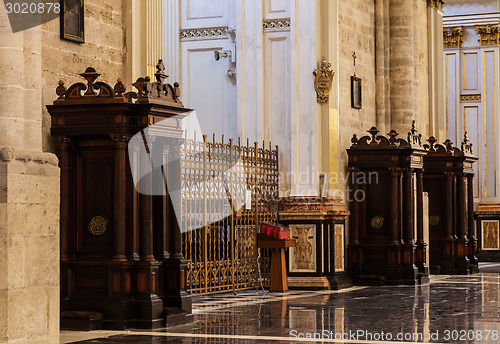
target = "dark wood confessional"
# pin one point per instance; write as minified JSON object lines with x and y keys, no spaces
{"x":120,"y":250}
{"x":383,"y":248}
{"x":448,"y":179}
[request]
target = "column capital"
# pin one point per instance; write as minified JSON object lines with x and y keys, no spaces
{"x":452,"y":37}
{"x":121,"y":139}
{"x":435,"y":3}
{"x":488,"y":34}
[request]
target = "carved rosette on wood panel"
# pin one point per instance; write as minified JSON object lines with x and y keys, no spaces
{"x":303,"y":255}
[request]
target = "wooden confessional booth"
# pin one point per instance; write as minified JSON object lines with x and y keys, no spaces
{"x":121,"y":259}
{"x":383,"y":172}
{"x":448,"y":179}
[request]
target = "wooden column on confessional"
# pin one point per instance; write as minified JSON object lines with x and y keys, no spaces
{"x":421,"y":251}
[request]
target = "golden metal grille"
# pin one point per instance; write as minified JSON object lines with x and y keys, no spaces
{"x":215,"y":178}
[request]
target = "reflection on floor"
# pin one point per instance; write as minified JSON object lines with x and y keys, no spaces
{"x":452,"y":309}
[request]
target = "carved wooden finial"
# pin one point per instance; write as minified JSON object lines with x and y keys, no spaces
{"x":160,"y":72}
{"x":354,"y":139}
{"x":373,"y":132}
{"x":119,"y":87}
{"x":414,"y":138}
{"x":393,"y":136}
{"x":467,"y":145}
{"x":61,"y":90}
{"x":432,"y":140}
{"x":449,"y":145}
{"x":90,"y":75}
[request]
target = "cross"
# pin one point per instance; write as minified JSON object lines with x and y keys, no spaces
{"x":355,"y":57}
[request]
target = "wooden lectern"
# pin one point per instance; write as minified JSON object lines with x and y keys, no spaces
{"x":278,"y":262}
{"x":120,"y":250}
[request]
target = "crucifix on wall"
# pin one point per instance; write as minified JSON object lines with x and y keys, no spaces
{"x":356,"y":96}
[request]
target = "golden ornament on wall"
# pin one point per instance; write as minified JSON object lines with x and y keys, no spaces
{"x":323,"y":81}
{"x":98,"y":225}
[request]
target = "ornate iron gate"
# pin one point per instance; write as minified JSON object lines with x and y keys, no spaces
{"x":219,"y":228}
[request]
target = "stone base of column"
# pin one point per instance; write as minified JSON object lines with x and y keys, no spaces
{"x":174,"y":281}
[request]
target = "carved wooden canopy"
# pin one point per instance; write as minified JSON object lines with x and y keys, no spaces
{"x":93,"y":91}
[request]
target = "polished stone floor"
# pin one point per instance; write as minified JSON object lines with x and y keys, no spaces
{"x":451,"y":309}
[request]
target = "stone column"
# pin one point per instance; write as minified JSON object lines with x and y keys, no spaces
{"x":382,"y":72}
{"x":29,"y":194}
{"x":436,"y":69}
{"x":402,"y":64}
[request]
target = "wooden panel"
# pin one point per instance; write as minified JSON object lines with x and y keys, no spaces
{"x":204,"y":13}
{"x":490,"y":235}
{"x":275,"y":9}
{"x":451,"y":95}
{"x":339,"y":247}
{"x":207,"y":87}
{"x":490,"y":147}
{"x":470,"y":71}
{"x":277,"y":121}
{"x":302,"y":257}
{"x":471,"y":126}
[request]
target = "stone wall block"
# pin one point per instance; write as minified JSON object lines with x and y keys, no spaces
{"x":16,"y":269}
{"x":16,"y":188}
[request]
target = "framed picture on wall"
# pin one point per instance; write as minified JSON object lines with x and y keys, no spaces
{"x":72,"y":20}
{"x":356,"y":99}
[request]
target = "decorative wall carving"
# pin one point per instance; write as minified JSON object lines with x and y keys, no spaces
{"x":488,"y":34}
{"x":470,"y":98}
{"x":303,"y":255}
{"x":435,"y":3}
{"x":452,"y":37}
{"x":323,"y":81}
{"x":204,"y":33}
{"x":276,"y":24}
{"x":490,"y":235}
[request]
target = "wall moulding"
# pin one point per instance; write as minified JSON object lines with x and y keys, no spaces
{"x":488,"y":34}
{"x":470,"y":98}
{"x":283,"y":24}
{"x":218,"y":32}
{"x":452,"y":37}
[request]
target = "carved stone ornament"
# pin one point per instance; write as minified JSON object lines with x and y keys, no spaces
{"x":488,"y":34}
{"x":452,"y":37}
{"x":435,"y":3}
{"x":323,"y":81}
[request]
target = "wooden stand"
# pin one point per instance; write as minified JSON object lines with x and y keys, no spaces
{"x":278,"y":262}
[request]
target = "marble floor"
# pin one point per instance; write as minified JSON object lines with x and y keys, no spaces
{"x":451,"y":309}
